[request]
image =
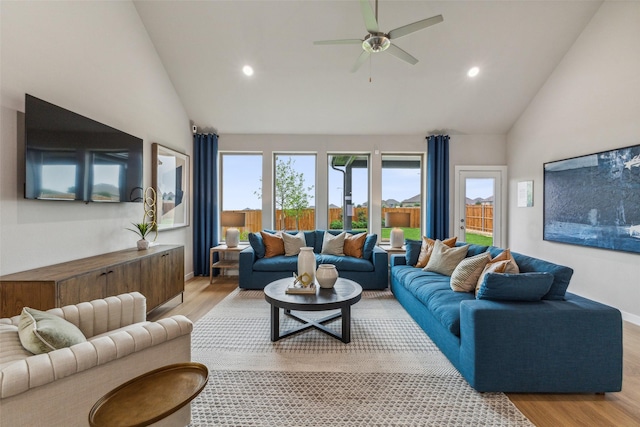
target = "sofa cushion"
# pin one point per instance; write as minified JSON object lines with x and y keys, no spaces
{"x":426,"y":249}
{"x":369,"y":244}
{"x":345,"y":263}
{"x":561,"y":274}
{"x":473,"y":248}
{"x":354,"y":245}
{"x":492,"y":267}
{"x":273,"y":244}
{"x":333,"y":245}
{"x":277,"y":263}
{"x":515,"y":287}
{"x":42,"y":332}
{"x":412,"y":251}
{"x":11,"y":348}
{"x":444,"y":259}
{"x":434,"y":291}
{"x":465,"y":276}
{"x":293,"y":243}
{"x":255,"y":240}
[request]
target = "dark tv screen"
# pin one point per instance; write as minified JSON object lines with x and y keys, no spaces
{"x":72,"y":157}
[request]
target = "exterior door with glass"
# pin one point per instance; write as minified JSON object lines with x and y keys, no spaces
{"x":480,"y":196}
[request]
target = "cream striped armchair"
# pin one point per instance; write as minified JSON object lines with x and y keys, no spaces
{"x":60,"y":387}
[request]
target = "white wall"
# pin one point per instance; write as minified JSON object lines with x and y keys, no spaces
{"x":463,"y":150}
{"x":96,"y":59}
{"x":590,"y":103}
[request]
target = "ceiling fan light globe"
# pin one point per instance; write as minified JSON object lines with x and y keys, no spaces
{"x":375,"y":44}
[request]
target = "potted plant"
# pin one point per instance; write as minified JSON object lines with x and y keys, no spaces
{"x":142,"y":229}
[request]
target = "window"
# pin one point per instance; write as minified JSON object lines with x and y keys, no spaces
{"x":348,"y":191}
{"x":402,"y":192}
{"x":294,"y":193}
{"x":241,"y":190}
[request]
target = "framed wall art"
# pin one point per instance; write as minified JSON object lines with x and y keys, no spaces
{"x":525,"y":194}
{"x":594,"y":200}
{"x":170,"y":177}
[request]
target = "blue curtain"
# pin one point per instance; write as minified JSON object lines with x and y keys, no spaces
{"x":437,"y":187}
{"x":205,"y":200}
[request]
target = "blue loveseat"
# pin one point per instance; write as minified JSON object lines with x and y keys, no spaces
{"x":562,"y":343}
{"x":371,"y":271}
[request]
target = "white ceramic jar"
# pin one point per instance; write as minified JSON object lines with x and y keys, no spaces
{"x":327,"y":275}
{"x":307,"y":264}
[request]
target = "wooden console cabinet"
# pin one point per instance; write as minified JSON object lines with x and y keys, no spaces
{"x":157,"y":273}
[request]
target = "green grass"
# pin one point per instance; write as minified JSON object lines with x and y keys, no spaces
{"x":414,"y":234}
{"x":479,"y":239}
{"x":409,"y":233}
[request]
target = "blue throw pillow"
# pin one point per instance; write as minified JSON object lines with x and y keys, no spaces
{"x":515,"y":287}
{"x":369,"y":244}
{"x":561,"y":274}
{"x":255,"y":240}
{"x":412,"y":251}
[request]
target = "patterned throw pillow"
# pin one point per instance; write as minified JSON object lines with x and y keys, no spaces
{"x":293,"y":243}
{"x":42,"y":332}
{"x":354,"y":245}
{"x":444,"y":259}
{"x":427,"y":248}
{"x":333,"y":245}
{"x":465,"y":277}
{"x":273,"y":244}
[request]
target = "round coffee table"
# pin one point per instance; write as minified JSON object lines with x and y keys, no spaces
{"x":342,"y":296}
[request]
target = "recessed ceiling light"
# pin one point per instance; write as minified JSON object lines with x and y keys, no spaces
{"x":473,"y":71}
{"x":247,"y":70}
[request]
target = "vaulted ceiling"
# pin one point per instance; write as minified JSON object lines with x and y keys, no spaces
{"x":302,"y":88}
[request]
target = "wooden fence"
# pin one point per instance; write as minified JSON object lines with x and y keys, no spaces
{"x":479,"y":218}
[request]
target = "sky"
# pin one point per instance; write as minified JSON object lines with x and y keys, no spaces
{"x":241,"y":178}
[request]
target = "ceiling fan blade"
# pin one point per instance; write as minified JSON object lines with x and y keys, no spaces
{"x":370,"y":21}
{"x":416,"y":26}
{"x":343,"y":41}
{"x":361,"y":59}
{"x":401,"y":54}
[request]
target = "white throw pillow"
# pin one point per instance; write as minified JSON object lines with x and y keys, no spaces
{"x":333,"y":245}
{"x":293,"y":243}
{"x":444,"y":259}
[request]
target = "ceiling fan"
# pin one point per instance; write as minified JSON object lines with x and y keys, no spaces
{"x":377,"y":41}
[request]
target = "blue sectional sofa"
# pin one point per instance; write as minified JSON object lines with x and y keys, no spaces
{"x":562,"y":343}
{"x":371,"y":271}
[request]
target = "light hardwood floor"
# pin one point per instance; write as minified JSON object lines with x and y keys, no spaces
{"x":552,"y":410}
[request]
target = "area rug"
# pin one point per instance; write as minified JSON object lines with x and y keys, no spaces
{"x":391,"y":374}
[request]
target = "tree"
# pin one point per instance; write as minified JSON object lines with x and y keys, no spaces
{"x":291,"y":196}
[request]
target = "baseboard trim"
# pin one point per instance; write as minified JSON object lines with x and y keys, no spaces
{"x":631,"y":318}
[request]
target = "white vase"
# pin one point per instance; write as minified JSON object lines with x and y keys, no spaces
{"x":307,"y":264}
{"x":143,"y":244}
{"x":327,"y":275}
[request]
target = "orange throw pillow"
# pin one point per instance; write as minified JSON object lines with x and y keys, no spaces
{"x":427,"y":248}
{"x":354,"y":244}
{"x":511,"y":267}
{"x":273,"y":244}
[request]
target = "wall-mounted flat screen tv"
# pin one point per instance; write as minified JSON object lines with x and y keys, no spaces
{"x":72,"y":157}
